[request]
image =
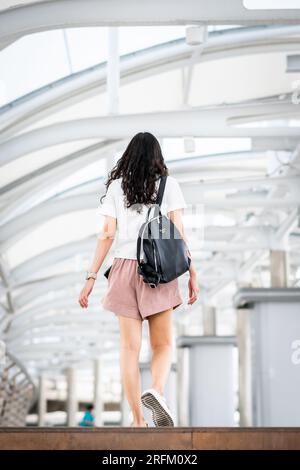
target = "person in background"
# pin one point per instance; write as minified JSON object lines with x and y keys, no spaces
{"x":88,"y":417}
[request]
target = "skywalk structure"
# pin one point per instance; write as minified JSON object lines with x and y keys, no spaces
{"x":219,"y":84}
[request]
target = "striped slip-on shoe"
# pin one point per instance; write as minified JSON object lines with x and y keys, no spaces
{"x":155,"y":402}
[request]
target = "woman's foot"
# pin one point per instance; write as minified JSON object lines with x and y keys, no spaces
{"x":156,"y":402}
{"x":142,"y":424}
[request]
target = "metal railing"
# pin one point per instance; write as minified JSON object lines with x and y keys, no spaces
{"x":17,"y":392}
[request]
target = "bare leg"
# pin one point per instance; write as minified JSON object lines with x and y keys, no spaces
{"x":131,"y":339}
{"x":160,"y":329}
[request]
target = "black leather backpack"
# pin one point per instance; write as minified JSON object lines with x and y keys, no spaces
{"x":165,"y":253}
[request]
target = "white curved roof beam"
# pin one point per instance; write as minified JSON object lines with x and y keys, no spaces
{"x":61,"y":321}
{"x":233,"y":171}
{"x":62,"y":331}
{"x":65,"y":346}
{"x":56,"y":14}
{"x":23,"y":272}
{"x":79,"y":331}
{"x":198,"y":122}
{"x":95,"y":316}
{"x":40,"y":290}
{"x":25,"y":191}
{"x":60,"y":360}
{"x":66,"y":304}
{"x":274,"y":143}
{"x":53,"y":283}
{"x":206,"y":246}
{"x":64,"y":357}
{"x":72,"y":162}
{"x":53,"y":256}
{"x":40,"y":353}
{"x":17,"y":228}
{"x":66,"y":166}
{"x":184,"y":164}
{"x":256,"y":257}
{"x":87,"y":334}
{"x":36,"y":366}
{"x":61,"y":327}
{"x":53,"y":208}
{"x":285,"y":226}
{"x":45,"y":316}
{"x":151,"y":61}
{"x":262,"y":235}
{"x":13,"y":230}
{"x":247,"y":266}
{"x":97,"y":185}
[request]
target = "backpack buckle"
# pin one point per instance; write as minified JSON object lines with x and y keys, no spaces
{"x":151,"y":284}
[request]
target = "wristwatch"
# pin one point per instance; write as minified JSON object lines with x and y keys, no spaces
{"x":90,"y":275}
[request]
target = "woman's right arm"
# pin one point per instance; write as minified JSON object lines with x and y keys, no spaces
{"x":105,"y":240}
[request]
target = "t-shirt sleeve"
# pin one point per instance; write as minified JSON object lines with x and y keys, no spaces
{"x":108,"y":206}
{"x":175,"y":199}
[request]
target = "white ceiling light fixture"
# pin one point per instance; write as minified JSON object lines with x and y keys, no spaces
{"x":293,"y":63}
{"x":196,"y":35}
{"x":189,"y":144}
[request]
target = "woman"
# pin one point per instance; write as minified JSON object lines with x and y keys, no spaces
{"x":130,"y":190}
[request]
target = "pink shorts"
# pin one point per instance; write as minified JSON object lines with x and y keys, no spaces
{"x":128,"y":295}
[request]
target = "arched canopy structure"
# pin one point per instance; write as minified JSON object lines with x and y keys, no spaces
{"x":227,"y":114}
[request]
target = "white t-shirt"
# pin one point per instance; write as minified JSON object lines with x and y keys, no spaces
{"x":129,"y":220}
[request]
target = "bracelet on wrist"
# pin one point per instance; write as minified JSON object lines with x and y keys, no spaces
{"x":90,"y":275}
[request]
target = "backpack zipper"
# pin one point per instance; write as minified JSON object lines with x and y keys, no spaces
{"x":155,"y":261}
{"x":142,"y":235}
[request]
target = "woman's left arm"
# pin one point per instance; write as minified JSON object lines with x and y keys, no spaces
{"x":105,"y":240}
{"x":176,"y":218}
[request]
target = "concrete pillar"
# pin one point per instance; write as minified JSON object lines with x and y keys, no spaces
{"x":170,"y":390}
{"x":113,"y":71}
{"x":42,"y":401}
{"x":182,"y":358}
{"x":71,"y":397}
{"x":209,"y":320}
{"x":2,"y":353}
{"x":183,"y":386}
{"x":274,"y":321}
{"x":279,"y":268}
{"x":98,"y":402}
{"x":125,"y":410}
{"x":211,"y":379}
{"x":245,"y":367}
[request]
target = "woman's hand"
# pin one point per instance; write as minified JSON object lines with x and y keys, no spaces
{"x":85,"y":292}
{"x":193,"y":288}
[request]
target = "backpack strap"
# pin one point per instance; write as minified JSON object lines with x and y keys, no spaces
{"x":138,"y":248}
{"x":159,"y":198}
{"x":161,"y":190}
{"x":158,"y":202}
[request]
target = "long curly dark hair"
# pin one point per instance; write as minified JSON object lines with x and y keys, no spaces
{"x":140,"y":166}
